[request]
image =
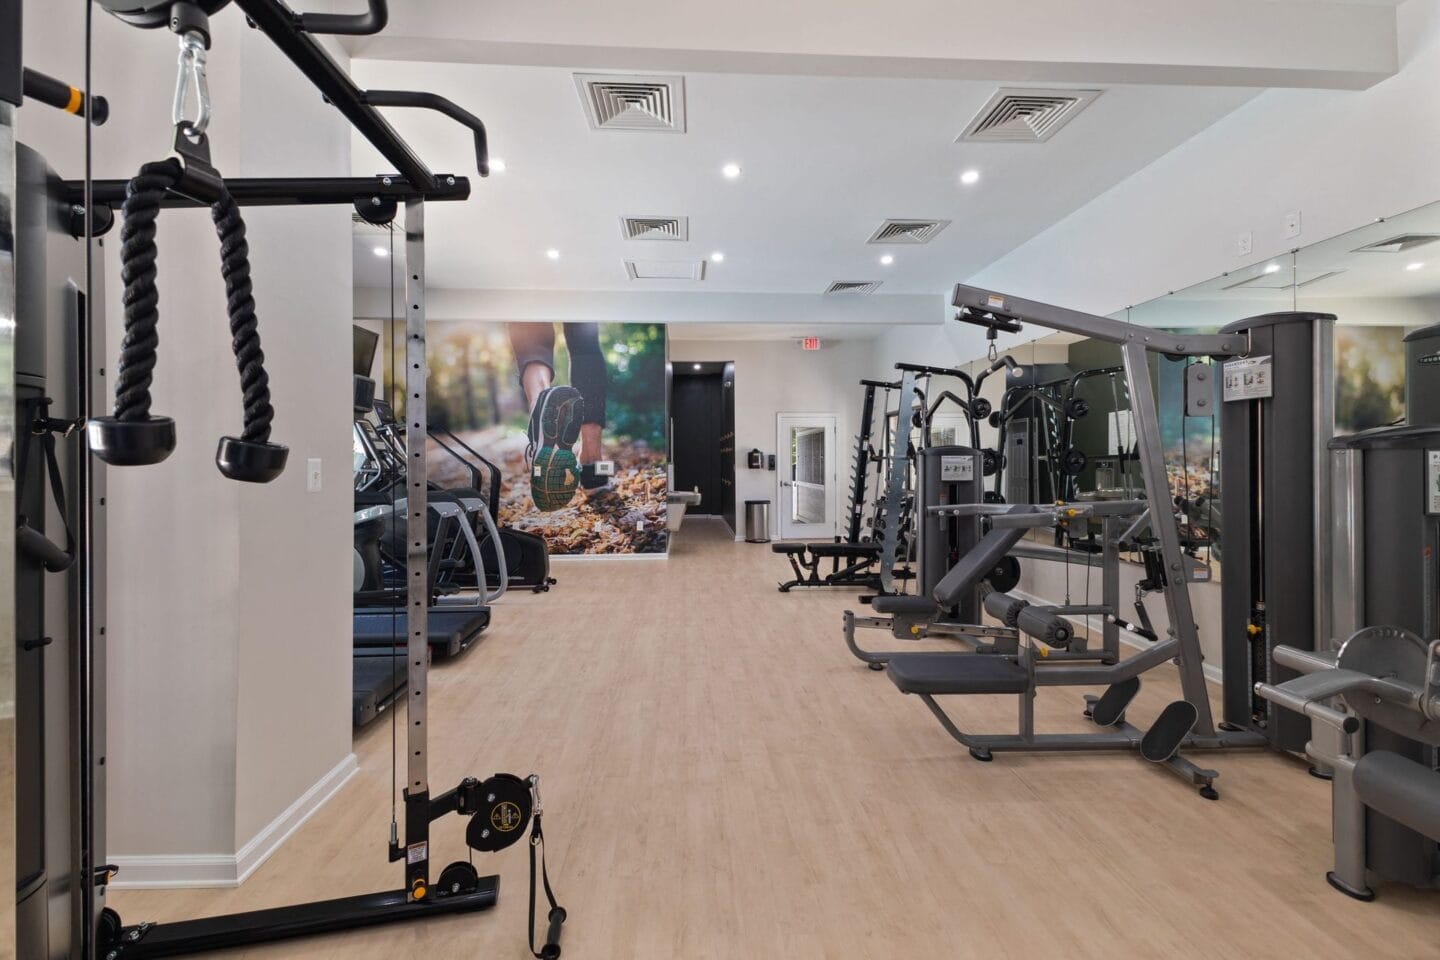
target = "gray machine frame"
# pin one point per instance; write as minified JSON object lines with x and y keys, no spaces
{"x":1182,"y":645}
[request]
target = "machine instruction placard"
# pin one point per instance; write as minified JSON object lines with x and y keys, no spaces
{"x":1248,"y":378}
{"x":957,"y":469}
{"x":1432,"y":482}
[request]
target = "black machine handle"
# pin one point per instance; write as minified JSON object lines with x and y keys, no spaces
{"x":551,"y":950}
{"x":56,"y":93}
{"x":372,"y":21}
{"x":433,"y":101}
{"x":39,"y":547}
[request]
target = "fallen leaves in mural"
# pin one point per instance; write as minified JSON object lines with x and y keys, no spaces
{"x":626,"y":516}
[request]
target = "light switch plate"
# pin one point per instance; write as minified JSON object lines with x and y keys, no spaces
{"x":312,"y":475}
{"x":1244,"y":244}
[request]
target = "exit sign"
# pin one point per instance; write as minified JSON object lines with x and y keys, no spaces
{"x":810,"y":343}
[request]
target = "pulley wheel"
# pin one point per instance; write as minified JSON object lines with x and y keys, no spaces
{"x":1074,"y":462}
{"x":990,"y":462}
{"x":151,"y":14}
{"x":1077,"y":407}
{"x":504,"y":812}
{"x":459,"y":877}
{"x":1005,"y":575}
{"x":995,"y":419}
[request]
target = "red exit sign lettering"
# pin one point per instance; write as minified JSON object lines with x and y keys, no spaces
{"x":810,"y":343}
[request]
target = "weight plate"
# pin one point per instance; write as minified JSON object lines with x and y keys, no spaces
{"x":1005,"y":575}
{"x":1077,"y":407}
{"x":980,"y":408}
{"x":504,"y":811}
{"x":995,"y":419}
{"x":989,"y":462}
{"x":1393,"y":653}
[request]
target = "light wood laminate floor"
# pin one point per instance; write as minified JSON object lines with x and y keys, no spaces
{"x":722,"y":779}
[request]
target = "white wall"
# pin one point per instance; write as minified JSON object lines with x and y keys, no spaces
{"x":228,"y":624}
{"x":774,"y":377}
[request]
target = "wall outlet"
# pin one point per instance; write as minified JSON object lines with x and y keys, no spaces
{"x":1292,"y":224}
{"x":1244,"y":244}
{"x":312,"y":475}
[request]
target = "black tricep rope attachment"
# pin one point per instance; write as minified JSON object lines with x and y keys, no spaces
{"x":133,"y":436}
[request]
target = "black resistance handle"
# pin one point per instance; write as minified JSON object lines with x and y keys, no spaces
{"x":551,"y":950}
{"x":433,"y":101}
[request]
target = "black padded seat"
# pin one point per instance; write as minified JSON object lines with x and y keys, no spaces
{"x":845,"y":549}
{"x":786,"y":546}
{"x":956,"y":673}
{"x":906,"y":606}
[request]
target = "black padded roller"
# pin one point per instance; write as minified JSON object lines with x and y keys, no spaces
{"x":1044,"y":625}
{"x":1004,"y":607}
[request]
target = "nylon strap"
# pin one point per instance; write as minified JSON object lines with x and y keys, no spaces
{"x":537,"y":843}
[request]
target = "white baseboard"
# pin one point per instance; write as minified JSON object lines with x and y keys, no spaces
{"x":1212,"y":671}
{"x":221,"y":870}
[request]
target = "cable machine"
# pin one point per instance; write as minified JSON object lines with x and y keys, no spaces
{"x":500,"y":807}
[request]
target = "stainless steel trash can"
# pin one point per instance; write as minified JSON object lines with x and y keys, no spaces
{"x":757,"y":521}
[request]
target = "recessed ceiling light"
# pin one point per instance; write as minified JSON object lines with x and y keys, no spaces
{"x":717,"y":257}
{"x":381,"y":252}
{"x":497,"y":165}
{"x":731,"y":170}
{"x":887,"y":259}
{"x":697,"y":366}
{"x":553,"y":254}
{"x":1414,"y":266}
{"x":1272,"y":268}
{"x":970,"y":177}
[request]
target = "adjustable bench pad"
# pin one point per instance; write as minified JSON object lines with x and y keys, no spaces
{"x":906,"y":606}
{"x":938,"y":674}
{"x":859,"y":550}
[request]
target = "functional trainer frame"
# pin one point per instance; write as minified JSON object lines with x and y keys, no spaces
{"x":1186,"y":724}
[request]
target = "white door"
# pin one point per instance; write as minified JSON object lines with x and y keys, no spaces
{"x":805,"y":463}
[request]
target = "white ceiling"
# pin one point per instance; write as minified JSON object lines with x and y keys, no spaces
{"x":825,"y":160}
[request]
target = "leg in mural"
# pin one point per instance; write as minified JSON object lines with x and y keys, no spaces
{"x":589,"y":375}
{"x":555,"y":416}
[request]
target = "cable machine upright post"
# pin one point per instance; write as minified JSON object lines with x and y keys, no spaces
{"x":417,"y":559}
{"x":899,"y":465}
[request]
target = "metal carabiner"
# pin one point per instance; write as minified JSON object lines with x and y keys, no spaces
{"x":192,"y":68}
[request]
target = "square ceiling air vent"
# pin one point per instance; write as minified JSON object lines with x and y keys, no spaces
{"x":1406,"y":241}
{"x":665,"y":269}
{"x":643,"y":102}
{"x":853,"y":286}
{"x":908,"y":231}
{"x":655,"y":228}
{"x":1025,"y":115}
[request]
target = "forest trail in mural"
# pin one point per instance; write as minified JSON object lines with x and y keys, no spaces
{"x":626,"y":517}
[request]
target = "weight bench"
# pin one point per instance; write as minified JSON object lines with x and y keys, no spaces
{"x":931,"y":675}
{"x":858,"y":570}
